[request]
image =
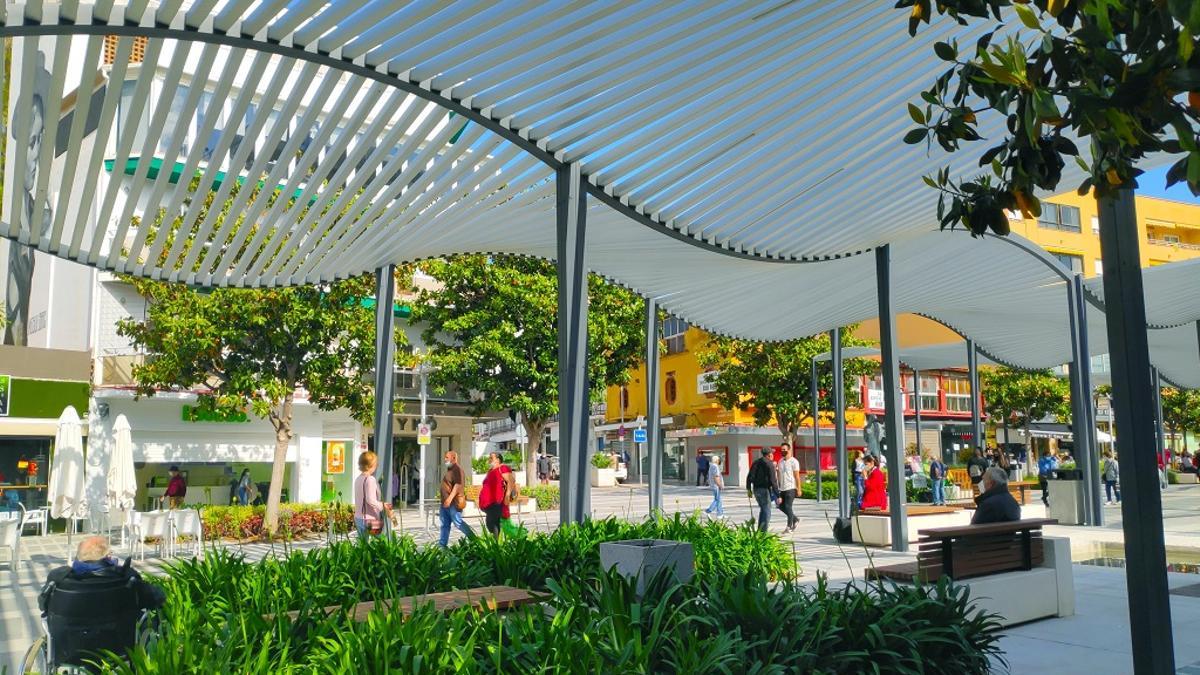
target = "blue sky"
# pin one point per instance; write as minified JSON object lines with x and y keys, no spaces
{"x":1153,"y":184}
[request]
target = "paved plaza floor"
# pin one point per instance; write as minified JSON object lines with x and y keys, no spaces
{"x":1095,"y":641}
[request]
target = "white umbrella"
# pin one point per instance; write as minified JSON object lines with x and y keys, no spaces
{"x":66,"y":495}
{"x":1103,"y":437}
{"x":121,"y":489}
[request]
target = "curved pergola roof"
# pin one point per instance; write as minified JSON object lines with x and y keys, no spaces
{"x":740,"y":156}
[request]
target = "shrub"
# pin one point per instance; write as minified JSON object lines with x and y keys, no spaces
{"x":1172,"y":477}
{"x":829,"y":487}
{"x":965,"y":454}
{"x":546,"y":495}
{"x":245,"y":522}
{"x":602,"y":460}
{"x":480,"y":464}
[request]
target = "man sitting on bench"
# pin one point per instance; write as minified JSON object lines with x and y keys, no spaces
{"x":995,"y":505}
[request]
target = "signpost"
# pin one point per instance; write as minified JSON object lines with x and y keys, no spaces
{"x":424,"y":434}
{"x":639,"y":435}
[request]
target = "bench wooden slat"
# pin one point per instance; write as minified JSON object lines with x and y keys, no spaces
{"x":988,"y":528}
{"x":972,"y":550}
{"x":492,"y":598}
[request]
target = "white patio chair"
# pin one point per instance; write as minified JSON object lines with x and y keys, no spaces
{"x":10,"y":536}
{"x":38,"y":518}
{"x":188,"y":524}
{"x":155,"y":524}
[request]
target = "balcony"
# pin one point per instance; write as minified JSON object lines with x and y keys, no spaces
{"x":1173,"y":244}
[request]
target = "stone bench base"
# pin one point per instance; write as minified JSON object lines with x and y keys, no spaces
{"x":528,"y":506}
{"x":1186,"y":479}
{"x":875,"y":530}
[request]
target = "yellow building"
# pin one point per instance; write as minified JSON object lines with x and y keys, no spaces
{"x":1068,"y":229}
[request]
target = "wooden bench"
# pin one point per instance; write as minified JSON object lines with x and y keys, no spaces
{"x":1020,"y":490}
{"x":971,"y":551}
{"x":490,"y":598}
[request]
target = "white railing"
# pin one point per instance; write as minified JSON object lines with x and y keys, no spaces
{"x":1177,"y":244}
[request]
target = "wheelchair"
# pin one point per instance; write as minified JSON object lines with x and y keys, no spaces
{"x":83,"y":618}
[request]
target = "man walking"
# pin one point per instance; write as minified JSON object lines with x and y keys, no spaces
{"x":788,"y":481}
{"x":715,"y":482}
{"x":453,"y":499}
{"x":937,"y":480}
{"x":761,"y":483}
{"x":543,"y":467}
{"x":1046,"y":466}
{"x":702,"y":464}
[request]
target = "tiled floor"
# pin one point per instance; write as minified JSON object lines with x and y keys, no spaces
{"x":1093,"y":642}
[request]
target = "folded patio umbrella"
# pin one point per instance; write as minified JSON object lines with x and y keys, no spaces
{"x":66,"y":494}
{"x":121,"y":483}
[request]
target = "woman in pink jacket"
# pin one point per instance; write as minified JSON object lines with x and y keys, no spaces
{"x":368,"y":504}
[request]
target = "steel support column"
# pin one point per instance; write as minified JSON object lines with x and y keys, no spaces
{"x":385,"y":379}
{"x":839,"y":425}
{"x":1159,"y":432}
{"x":1085,"y":379}
{"x":1080,"y":402}
{"x":816,"y":417}
{"x":653,"y":430}
{"x":573,"y":410}
{"x":973,"y":376}
{"x":893,"y":400}
{"x":1141,"y":498}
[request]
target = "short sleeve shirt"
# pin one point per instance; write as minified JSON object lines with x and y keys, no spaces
{"x":454,"y":476}
{"x":714,"y":472}
{"x":787,"y":473}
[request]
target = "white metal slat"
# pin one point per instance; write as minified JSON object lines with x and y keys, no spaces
{"x":283,"y":70}
{"x":220,"y":156}
{"x":187,"y":114}
{"x":263,"y":14}
{"x":324,"y":21}
{"x":259,"y":168}
{"x":426,"y":191}
{"x":308,"y":199}
{"x":377,"y":168}
{"x":125,"y":139}
{"x":183,"y":190}
{"x":299,"y":11}
{"x":67,"y":198}
{"x":201,"y":11}
{"x":404,"y":36}
{"x":51,"y":115}
{"x":137,"y":182}
{"x":339,"y":191}
{"x":108,"y":110}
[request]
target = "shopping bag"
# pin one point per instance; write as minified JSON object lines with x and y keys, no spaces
{"x":510,"y":529}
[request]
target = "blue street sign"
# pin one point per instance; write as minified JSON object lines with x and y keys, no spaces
{"x":639,"y":435}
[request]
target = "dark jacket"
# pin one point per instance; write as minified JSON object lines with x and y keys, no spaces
{"x":148,"y":596}
{"x":996,"y":506}
{"x":762,"y":475}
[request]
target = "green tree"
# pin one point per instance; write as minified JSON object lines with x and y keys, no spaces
{"x":1110,"y":72}
{"x":774,"y":379}
{"x":1023,"y":397}
{"x":1181,"y":412}
{"x":491,"y":325}
{"x":252,"y":349}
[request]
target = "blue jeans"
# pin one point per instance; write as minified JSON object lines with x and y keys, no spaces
{"x":243,"y":496}
{"x":860,"y":484}
{"x":763,"y":497}
{"x":939,"y":491}
{"x":715,"y":506}
{"x":360,"y":524}
{"x":1110,"y":486}
{"x":451,"y":514}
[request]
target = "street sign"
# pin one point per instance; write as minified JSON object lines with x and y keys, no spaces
{"x":424,"y":434}
{"x":621,"y":433}
{"x":639,"y":435}
{"x":522,"y":435}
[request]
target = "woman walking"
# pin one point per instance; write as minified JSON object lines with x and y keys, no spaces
{"x":368,"y":506}
{"x":243,"y":488}
{"x":492,"y":493}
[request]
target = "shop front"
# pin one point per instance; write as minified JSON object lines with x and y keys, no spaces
{"x":29,"y":411}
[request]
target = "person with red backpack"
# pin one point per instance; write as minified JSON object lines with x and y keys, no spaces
{"x":497,"y":492}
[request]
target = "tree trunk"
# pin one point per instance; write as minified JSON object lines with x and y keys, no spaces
{"x":534,"y":431}
{"x":281,"y":419}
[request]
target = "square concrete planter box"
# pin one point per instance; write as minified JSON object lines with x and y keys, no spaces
{"x":603,"y":477}
{"x":643,"y":558}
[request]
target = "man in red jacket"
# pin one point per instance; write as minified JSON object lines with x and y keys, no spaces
{"x":176,"y":488}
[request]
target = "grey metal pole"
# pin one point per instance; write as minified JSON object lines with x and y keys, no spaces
{"x":385,"y":379}
{"x":816,"y":414}
{"x":973,"y":375}
{"x":1085,"y":379}
{"x":1141,"y":503}
{"x":893,"y":401}
{"x":917,"y":407}
{"x":653,"y":430}
{"x":839,"y":425}
{"x":571,"y":207}
{"x":423,"y":370}
{"x":1078,"y":402}
{"x":1158,"y":413}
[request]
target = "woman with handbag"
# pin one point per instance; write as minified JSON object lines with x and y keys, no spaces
{"x":454,"y":499}
{"x":368,"y":504}
{"x":493,"y":494}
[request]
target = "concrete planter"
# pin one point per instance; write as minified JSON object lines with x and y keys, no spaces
{"x":643,"y":558}
{"x":603,"y":477}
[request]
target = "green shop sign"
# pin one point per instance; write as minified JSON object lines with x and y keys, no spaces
{"x":5,"y":389}
{"x":192,"y":413}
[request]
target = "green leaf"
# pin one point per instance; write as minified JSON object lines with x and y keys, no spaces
{"x":1193,"y":169}
{"x":945,"y":51}
{"x":1025,"y":13}
{"x":915,"y":136}
{"x":1184,"y":79}
{"x":915,"y":113}
{"x":929,"y":181}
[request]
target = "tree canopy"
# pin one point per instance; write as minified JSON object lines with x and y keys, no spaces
{"x":491,"y":326}
{"x":252,"y":349}
{"x":1022,"y":397}
{"x":1123,"y":76}
{"x":774,"y":379}
{"x":1181,"y":412}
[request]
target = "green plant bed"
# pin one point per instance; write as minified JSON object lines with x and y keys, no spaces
{"x":295,"y":520}
{"x":602,"y":460}
{"x":829,"y":488}
{"x":546,"y":496}
{"x":730,"y":618}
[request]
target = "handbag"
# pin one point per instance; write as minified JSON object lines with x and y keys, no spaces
{"x":460,"y":500}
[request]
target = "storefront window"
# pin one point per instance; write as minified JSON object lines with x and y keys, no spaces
{"x":958,"y":394}
{"x":929,"y":393}
{"x":24,"y":472}
{"x":674,"y":453}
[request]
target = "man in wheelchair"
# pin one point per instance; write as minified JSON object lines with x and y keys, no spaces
{"x":95,"y":603}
